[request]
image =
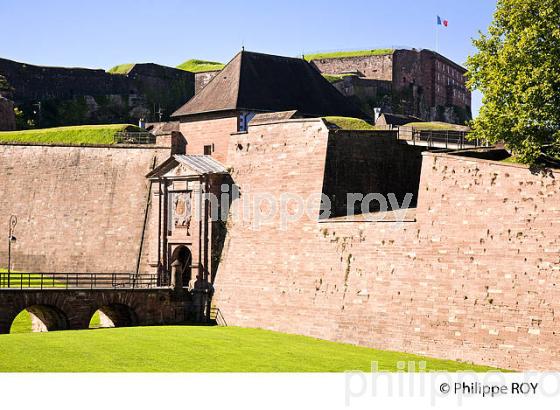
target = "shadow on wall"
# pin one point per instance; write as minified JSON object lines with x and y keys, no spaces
{"x":362,"y":163}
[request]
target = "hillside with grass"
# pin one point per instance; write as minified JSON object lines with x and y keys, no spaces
{"x":437,"y":126}
{"x":349,"y":124}
{"x":73,"y":135}
{"x":121,"y":69}
{"x":200,"y":66}
{"x":356,"y":53}
{"x":218,"y":349}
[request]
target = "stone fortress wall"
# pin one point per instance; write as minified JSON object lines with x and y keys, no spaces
{"x":422,"y":83}
{"x":70,"y":96}
{"x":472,"y":274}
{"x":79,"y":209}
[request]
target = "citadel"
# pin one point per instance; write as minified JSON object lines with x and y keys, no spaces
{"x":459,"y":262}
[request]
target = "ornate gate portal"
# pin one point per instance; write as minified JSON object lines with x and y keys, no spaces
{"x":191,"y":216}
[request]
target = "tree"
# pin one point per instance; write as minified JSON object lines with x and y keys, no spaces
{"x":517,"y":69}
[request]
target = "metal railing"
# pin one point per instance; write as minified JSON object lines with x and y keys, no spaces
{"x":55,"y":280}
{"x":217,"y":317}
{"x":438,"y":138}
{"x":125,"y":137}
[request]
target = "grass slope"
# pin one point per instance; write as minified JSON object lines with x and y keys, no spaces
{"x":120,"y":69}
{"x":200,"y":66}
{"x":357,"y":53}
{"x":437,"y":126}
{"x":349,"y":123}
{"x":194,"y":349}
{"x":333,"y":78}
{"x":75,"y":135}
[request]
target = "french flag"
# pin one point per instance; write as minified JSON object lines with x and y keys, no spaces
{"x":442,"y":22}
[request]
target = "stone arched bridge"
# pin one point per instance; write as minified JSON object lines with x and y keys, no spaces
{"x":59,"y":309}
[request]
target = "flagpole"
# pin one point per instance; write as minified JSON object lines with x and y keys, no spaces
{"x":437,"y":38}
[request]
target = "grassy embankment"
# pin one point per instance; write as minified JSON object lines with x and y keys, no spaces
{"x":341,"y":54}
{"x":349,"y":123}
{"x":436,"y":126}
{"x":75,"y":135}
{"x":196,"y":349}
{"x":200,"y":66}
{"x":121,"y":69}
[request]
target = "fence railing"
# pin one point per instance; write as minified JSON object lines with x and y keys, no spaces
{"x":217,"y":317}
{"x":124,"y":137}
{"x":438,"y":138}
{"x":54,"y":280}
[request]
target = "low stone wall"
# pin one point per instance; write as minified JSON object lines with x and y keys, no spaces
{"x":473,"y":276}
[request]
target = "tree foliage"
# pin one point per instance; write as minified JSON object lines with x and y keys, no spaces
{"x":517,"y":68}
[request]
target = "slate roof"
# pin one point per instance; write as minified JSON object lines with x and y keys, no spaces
{"x":200,"y":164}
{"x":262,"y":82}
{"x":266,"y":117}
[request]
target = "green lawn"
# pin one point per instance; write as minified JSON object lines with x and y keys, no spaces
{"x":436,"y":126}
{"x":75,"y":135}
{"x":194,"y":349}
{"x":349,"y":123}
{"x":357,"y":53}
{"x":200,"y":66}
{"x":121,"y":69}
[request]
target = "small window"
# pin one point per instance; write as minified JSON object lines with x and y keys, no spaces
{"x":208,"y":150}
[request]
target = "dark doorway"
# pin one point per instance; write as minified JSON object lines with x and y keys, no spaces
{"x":184,"y":256}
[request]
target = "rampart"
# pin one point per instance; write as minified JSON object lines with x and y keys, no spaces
{"x":79,"y":209}
{"x":65,"y":96}
{"x":471,"y":274}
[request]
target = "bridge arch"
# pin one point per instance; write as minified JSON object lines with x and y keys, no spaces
{"x":116,"y":315}
{"x":45,"y":318}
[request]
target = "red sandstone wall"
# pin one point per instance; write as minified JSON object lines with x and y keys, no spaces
{"x":378,"y":67}
{"x":80,"y":209}
{"x":203,"y":132}
{"x":474,"y":278}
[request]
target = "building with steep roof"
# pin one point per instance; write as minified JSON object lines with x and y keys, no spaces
{"x":254,"y":83}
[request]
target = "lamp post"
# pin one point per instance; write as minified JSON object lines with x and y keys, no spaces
{"x":11,"y":238}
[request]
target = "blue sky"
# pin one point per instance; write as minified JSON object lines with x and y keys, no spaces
{"x":103,"y":33}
